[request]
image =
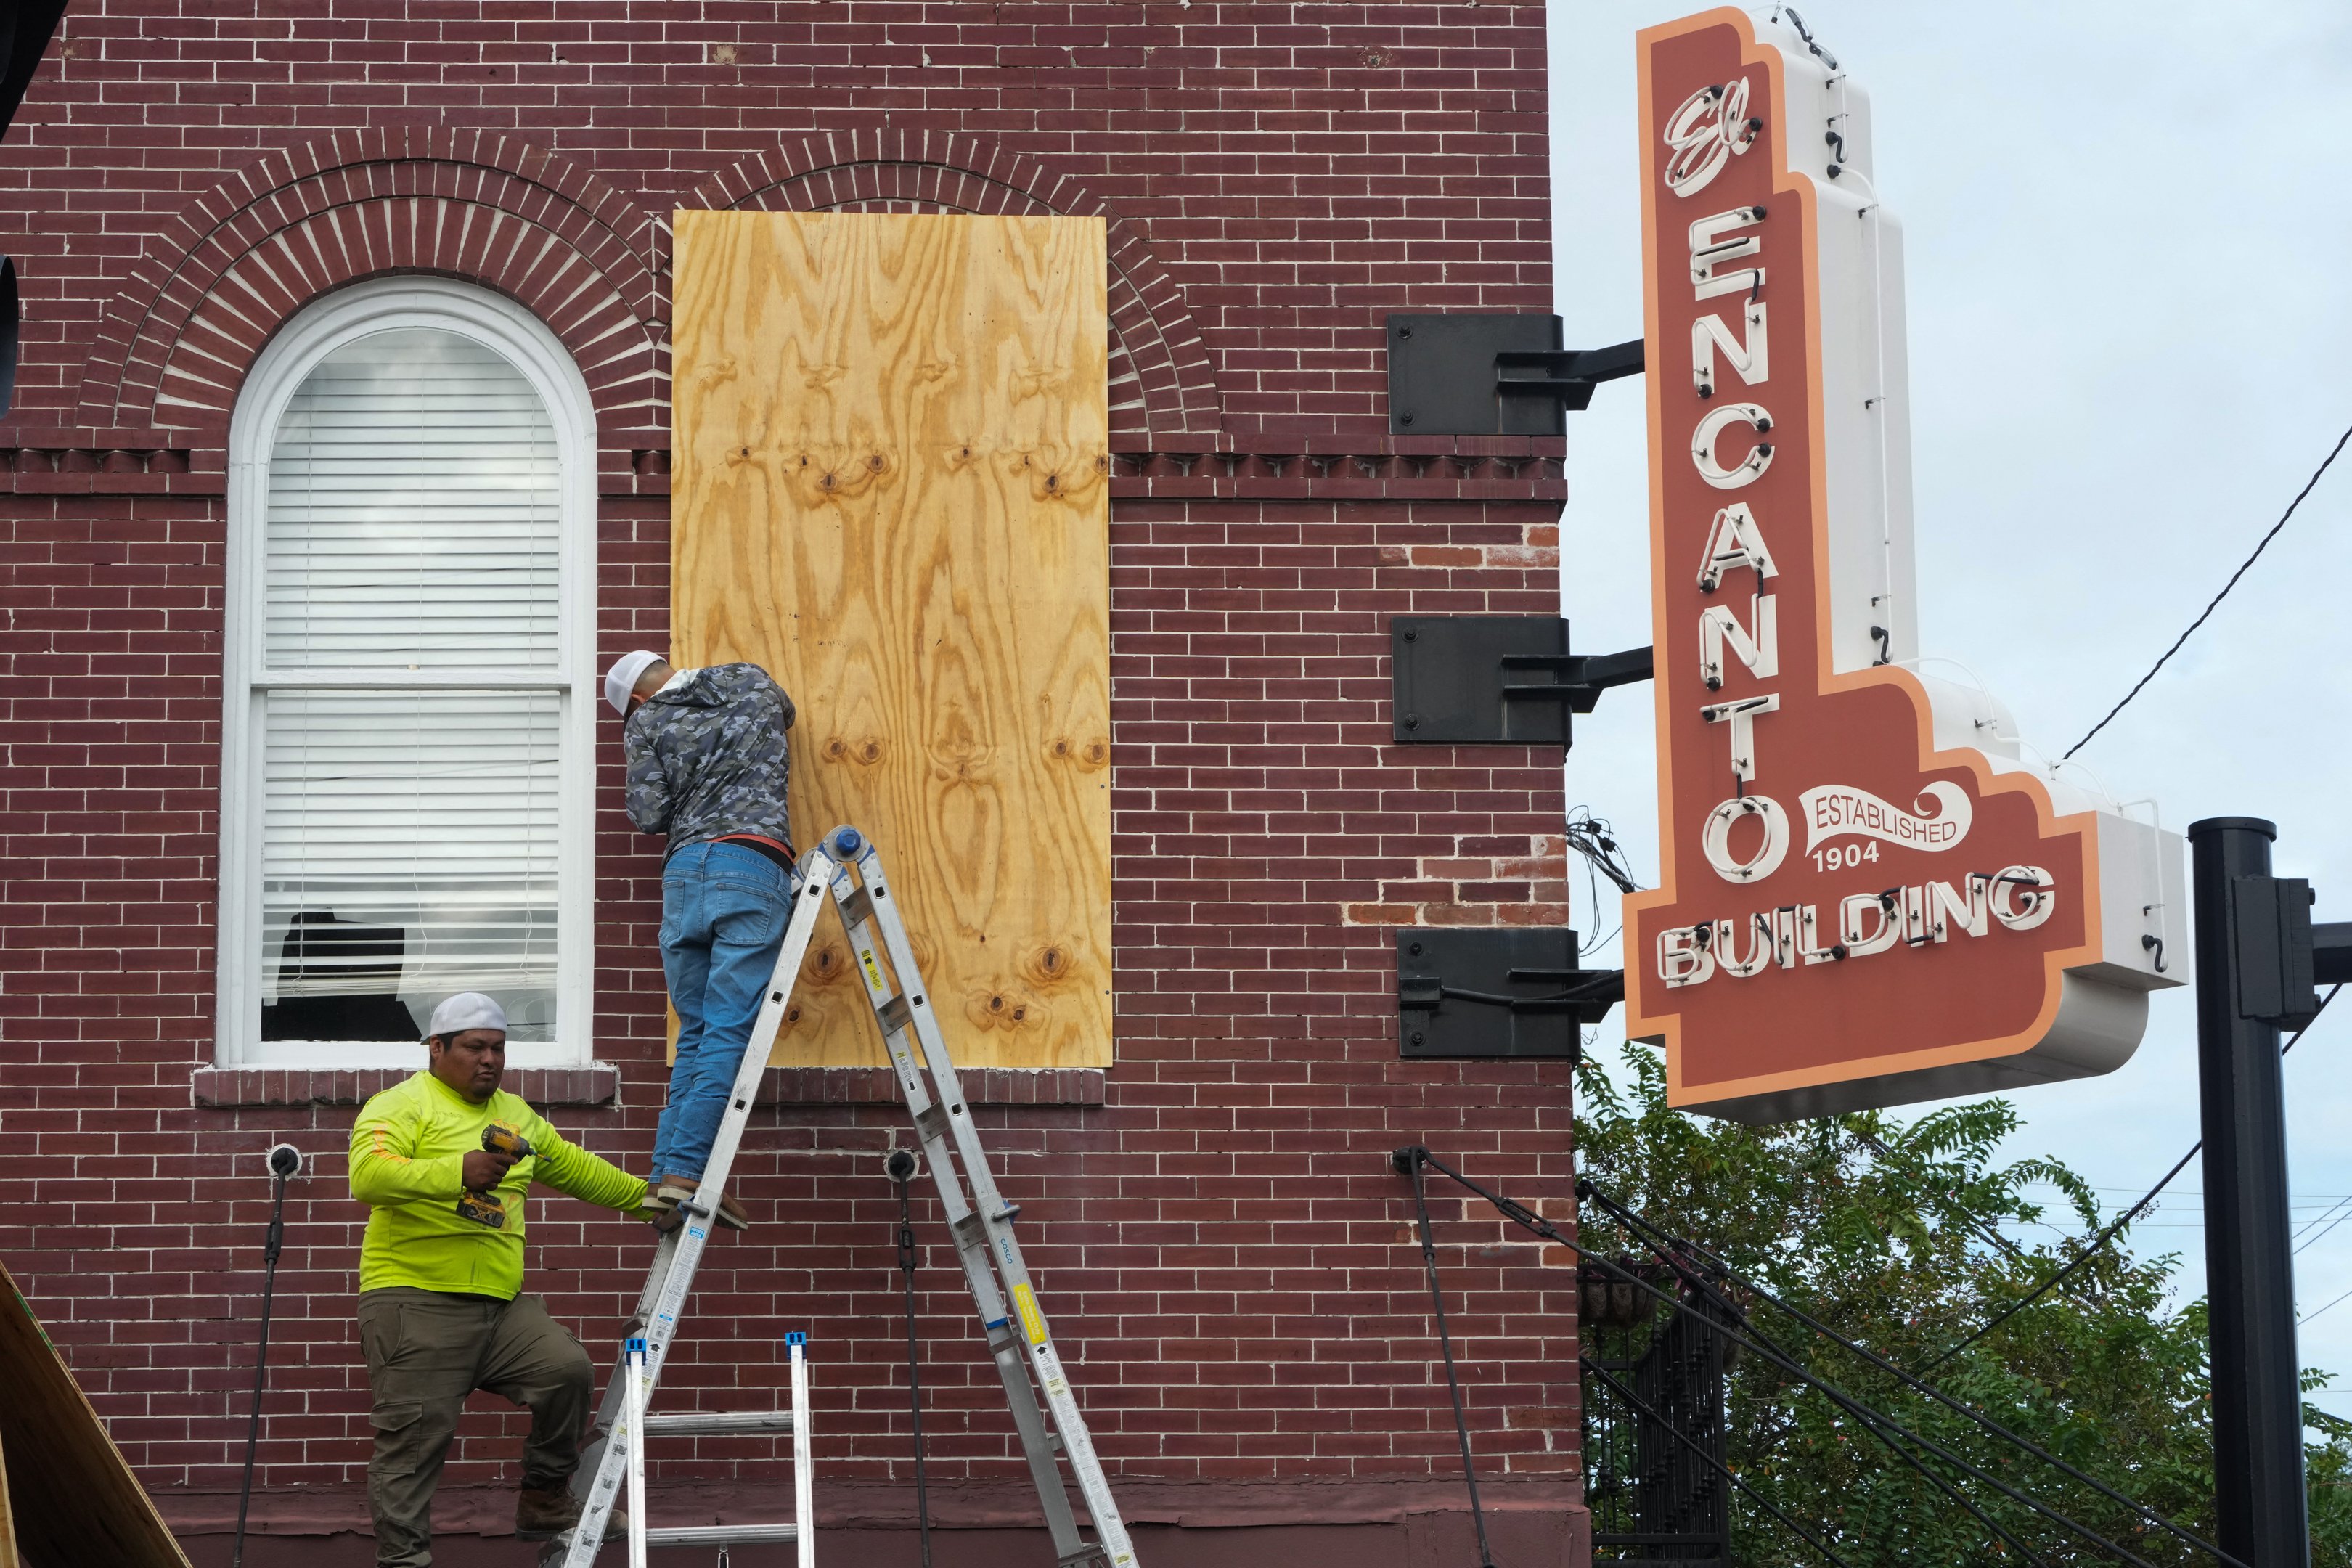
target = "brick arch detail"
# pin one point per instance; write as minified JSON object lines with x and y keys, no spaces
{"x":211,"y":289}
{"x":1162,"y":381}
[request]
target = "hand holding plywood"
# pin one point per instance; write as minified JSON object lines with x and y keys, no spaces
{"x":68,"y":1492}
{"x":891,"y":489}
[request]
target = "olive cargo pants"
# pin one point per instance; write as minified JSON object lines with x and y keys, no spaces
{"x":426,"y":1351}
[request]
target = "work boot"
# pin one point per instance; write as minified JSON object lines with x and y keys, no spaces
{"x":542,"y":1513}
{"x":671,"y":1191}
{"x":664,"y":1218}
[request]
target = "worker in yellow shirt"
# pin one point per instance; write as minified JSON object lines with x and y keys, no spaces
{"x":440,"y":1309}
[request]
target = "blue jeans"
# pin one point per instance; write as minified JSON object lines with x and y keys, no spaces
{"x":724,"y":909}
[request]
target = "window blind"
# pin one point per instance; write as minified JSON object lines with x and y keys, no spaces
{"x":415,"y":513}
{"x":431,"y":813}
{"x":409,"y":838}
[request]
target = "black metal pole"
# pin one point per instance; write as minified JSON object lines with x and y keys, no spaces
{"x":284,"y":1161}
{"x":2261,"y":1514}
{"x":901,"y":1166}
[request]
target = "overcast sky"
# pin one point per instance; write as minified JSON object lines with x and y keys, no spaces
{"x":2128,"y":323}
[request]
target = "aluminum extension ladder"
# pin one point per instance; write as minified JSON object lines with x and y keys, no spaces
{"x":981,"y":1223}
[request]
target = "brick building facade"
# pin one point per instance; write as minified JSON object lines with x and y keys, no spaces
{"x":1228,"y":1259}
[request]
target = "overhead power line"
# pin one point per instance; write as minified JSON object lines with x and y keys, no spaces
{"x":1899,"y":1440}
{"x":1665,"y":1246}
{"x":2224,"y":594}
{"x":2337,"y":1302}
{"x":2097,"y":1243}
{"x":2332,"y":1223}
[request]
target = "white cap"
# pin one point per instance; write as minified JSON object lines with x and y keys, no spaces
{"x":621,"y":679}
{"x":466,"y":1010}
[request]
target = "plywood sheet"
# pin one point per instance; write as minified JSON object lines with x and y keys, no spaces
{"x":71,"y":1497}
{"x":7,"y":1517}
{"x":891,"y":488}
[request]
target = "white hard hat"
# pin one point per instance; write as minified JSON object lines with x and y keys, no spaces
{"x":466,"y":1010}
{"x":621,"y":679}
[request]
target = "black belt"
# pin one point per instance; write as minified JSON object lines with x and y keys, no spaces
{"x":783,"y":857}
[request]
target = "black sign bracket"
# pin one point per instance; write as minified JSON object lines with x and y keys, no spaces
{"x":1498,"y":993}
{"x":1478,"y":680}
{"x":1493,"y":374}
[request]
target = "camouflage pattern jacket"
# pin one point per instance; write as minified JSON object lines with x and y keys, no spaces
{"x":706,"y":756}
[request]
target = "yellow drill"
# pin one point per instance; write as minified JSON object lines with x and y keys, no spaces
{"x":486,"y":1208}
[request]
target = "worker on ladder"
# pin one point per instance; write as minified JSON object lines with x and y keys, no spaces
{"x":706,"y":766}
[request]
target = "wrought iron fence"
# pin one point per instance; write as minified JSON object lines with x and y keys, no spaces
{"x":1653,"y":1421}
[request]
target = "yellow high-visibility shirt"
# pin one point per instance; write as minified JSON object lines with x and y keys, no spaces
{"x":409,"y":1150}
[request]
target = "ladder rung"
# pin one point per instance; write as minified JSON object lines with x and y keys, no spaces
{"x":978,"y":1227}
{"x":969,"y":1231}
{"x":931,"y":1122}
{"x":720,"y":1534}
{"x":857,"y":908}
{"x":708,"y":1422}
{"x":1089,"y":1553}
{"x":894,"y":1014}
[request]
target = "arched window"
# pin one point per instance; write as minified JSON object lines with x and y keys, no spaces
{"x":405,"y":760}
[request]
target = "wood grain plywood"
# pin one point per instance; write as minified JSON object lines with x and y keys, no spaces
{"x":891,"y":488}
{"x":71,"y":1498}
{"x":8,"y":1518}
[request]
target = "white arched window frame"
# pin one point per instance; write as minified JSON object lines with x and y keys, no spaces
{"x":277,"y":375}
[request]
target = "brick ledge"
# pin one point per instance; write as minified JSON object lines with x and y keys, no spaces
{"x":1220,"y":465}
{"x":982,"y":1086}
{"x":1209,"y":1502}
{"x":598,"y":1083}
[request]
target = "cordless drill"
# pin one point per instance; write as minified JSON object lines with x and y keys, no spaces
{"x":484,"y":1208}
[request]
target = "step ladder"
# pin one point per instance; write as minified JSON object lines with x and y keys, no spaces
{"x":979,"y":1221}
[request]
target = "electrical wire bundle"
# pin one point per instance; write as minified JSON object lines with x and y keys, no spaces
{"x":1594,"y":838}
{"x":1701,"y":1277}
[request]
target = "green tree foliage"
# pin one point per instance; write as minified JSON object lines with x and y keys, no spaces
{"x":1902,"y":1235}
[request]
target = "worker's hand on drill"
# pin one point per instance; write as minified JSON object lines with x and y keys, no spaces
{"x":485,"y":1168}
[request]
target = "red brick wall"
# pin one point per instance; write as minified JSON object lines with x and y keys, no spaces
{"x":1227,"y":1261}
